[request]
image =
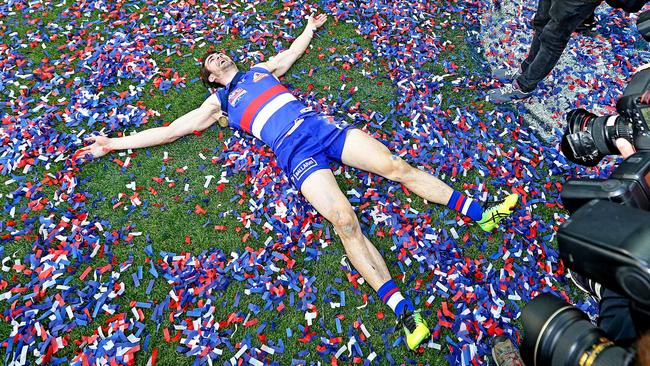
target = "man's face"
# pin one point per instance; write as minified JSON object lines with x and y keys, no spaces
{"x":218,"y":64}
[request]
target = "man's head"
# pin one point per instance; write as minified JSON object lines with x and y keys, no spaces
{"x":217,"y":69}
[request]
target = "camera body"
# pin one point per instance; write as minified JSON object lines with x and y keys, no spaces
{"x":606,"y":238}
{"x":629,"y":185}
{"x":609,"y":243}
{"x":588,"y":138}
{"x":618,"y":257}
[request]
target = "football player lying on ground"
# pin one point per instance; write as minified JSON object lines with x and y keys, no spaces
{"x":304,"y":143}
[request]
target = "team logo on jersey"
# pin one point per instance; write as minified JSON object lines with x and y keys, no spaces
{"x":236,"y":96}
{"x":259,"y":76}
{"x":302,"y":168}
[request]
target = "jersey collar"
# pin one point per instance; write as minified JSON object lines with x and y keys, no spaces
{"x":223,"y":93}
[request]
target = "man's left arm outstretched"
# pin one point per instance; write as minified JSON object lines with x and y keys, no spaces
{"x":279,"y":64}
{"x":198,"y":119}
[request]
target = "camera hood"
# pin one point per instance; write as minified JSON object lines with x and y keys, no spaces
{"x":610,"y":243}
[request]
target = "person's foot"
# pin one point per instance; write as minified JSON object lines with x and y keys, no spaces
{"x":415,"y":327}
{"x":508,"y":93}
{"x":505,"y":353}
{"x":506,"y":75}
{"x":586,"y":285}
{"x":493,"y":215}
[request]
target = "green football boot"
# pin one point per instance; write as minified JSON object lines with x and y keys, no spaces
{"x":415,"y":327}
{"x":493,"y":215}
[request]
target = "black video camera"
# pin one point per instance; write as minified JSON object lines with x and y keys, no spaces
{"x":588,"y":138}
{"x":610,"y":244}
{"x":607,"y":237}
{"x":629,"y":185}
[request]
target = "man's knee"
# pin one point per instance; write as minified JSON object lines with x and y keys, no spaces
{"x":397,"y":169}
{"x":344,"y":220}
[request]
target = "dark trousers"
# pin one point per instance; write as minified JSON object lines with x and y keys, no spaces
{"x":615,"y":317}
{"x":554,"y":22}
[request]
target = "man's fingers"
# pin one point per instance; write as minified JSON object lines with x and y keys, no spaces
{"x":81,"y":153}
{"x":624,"y":147}
{"x":95,"y":138}
{"x":318,"y":18}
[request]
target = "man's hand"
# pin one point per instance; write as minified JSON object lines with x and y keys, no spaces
{"x":624,"y":147}
{"x":100,"y":146}
{"x":316,"y":21}
{"x":281,"y":63}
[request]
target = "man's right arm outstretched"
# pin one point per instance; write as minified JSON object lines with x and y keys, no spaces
{"x":196,"y":120}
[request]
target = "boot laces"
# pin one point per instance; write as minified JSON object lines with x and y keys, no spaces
{"x":409,"y":321}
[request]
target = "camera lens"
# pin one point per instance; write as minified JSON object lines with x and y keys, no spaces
{"x":558,"y":334}
{"x":588,"y":138}
{"x":579,"y":120}
{"x":580,"y":148}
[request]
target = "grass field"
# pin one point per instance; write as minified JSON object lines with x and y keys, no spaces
{"x":177,"y":214}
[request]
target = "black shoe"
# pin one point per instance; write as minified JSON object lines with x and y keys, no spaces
{"x":508,"y":93}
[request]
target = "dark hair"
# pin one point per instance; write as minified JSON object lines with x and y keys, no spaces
{"x":204,"y":74}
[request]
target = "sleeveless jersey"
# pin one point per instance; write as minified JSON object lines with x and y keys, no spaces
{"x":259,"y":104}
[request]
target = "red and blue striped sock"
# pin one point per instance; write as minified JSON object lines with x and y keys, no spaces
{"x":390,"y":295}
{"x":466,"y":206}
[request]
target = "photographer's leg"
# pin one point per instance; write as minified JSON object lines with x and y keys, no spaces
{"x":615,"y":317}
{"x":507,"y":75}
{"x":565,"y":15}
{"x":542,"y":17}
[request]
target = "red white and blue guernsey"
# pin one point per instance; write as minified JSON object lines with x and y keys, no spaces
{"x":302,"y":140}
{"x":260,"y":105}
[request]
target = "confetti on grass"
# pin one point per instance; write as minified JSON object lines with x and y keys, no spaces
{"x":77,"y":68}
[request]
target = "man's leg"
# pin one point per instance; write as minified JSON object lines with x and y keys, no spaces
{"x":364,"y":152}
{"x":565,"y":16}
{"x":542,"y":17}
{"x":322,"y":191}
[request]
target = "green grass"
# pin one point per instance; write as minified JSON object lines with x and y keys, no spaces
{"x":169,"y":218}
